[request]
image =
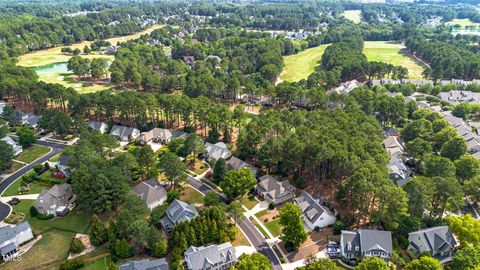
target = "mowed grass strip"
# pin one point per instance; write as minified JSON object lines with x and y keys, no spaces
{"x":54,"y":55}
{"x":395,"y":54}
{"x":353,"y":15}
{"x":299,"y":66}
{"x":32,"y":153}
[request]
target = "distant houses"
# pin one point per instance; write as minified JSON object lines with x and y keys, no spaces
{"x":399,"y":172}
{"x":160,"y":135}
{"x":27,"y":119}
{"x":213,"y":257}
{"x":123,"y":133}
{"x":98,"y":126}
{"x":355,"y":246}
{"x":55,"y":201}
{"x":12,"y":237}
{"x":274,"y":191}
{"x":151,"y":192}
{"x":177,"y":212}
{"x":438,"y":242}
{"x":314,"y":214}
{"x":158,"y":264}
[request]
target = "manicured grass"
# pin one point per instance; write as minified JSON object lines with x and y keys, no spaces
{"x":274,"y":227}
{"x":198,"y":167}
{"x":67,"y":79}
{"x":32,"y":153}
{"x":259,"y":228}
{"x":249,"y":202}
{"x":261,"y":213}
{"x":100,"y":264}
{"x":54,"y":55}
{"x":299,"y":66}
{"x":190,"y":195}
{"x":240,"y":240}
{"x":54,"y":245}
{"x":395,"y":54}
{"x":463,"y":23}
{"x":353,"y":15}
{"x":35,"y":188}
{"x":55,"y":158}
{"x":14,"y":166}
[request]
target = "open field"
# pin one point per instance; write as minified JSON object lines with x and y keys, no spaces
{"x":462,"y":22}
{"x":14,"y":166}
{"x":32,"y":153}
{"x":395,"y":54}
{"x":54,"y":55}
{"x":353,"y":15}
{"x":299,"y":66}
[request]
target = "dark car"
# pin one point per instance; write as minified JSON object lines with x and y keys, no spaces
{"x":333,"y":250}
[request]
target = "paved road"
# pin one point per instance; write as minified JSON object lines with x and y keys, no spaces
{"x":56,"y":149}
{"x":255,"y":237}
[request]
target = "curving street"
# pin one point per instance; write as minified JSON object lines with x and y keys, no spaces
{"x":56,"y":149}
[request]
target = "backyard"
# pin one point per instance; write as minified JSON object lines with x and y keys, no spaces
{"x":34,"y":187}
{"x":190,"y":195}
{"x":32,"y":153}
{"x":299,"y":66}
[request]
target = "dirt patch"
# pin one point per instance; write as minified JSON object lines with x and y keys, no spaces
{"x":315,"y":243}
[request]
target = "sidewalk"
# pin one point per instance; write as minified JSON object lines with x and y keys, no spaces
{"x":21,"y":197}
{"x":249,"y":213}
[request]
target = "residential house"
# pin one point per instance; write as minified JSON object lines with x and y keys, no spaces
{"x":213,"y":257}
{"x":365,"y":243}
{"x":274,"y":191}
{"x":436,"y":241}
{"x":22,"y":117}
{"x":458,"y":96}
{"x":160,"y":135}
{"x":390,"y":131}
{"x":213,"y":152}
{"x":177,"y":212}
{"x":11,"y":237}
{"x":235,"y":163}
{"x":17,"y":149}
{"x":346,"y":87}
{"x":314,"y":214}
{"x":123,"y":133}
{"x":56,"y":200}
{"x":32,"y":121}
{"x":151,"y":192}
{"x":99,"y":126}
{"x":62,"y":164}
{"x":158,"y":264}
{"x":399,"y":172}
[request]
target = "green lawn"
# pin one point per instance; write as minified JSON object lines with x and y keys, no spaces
{"x":462,"y":22}
{"x":12,"y":190}
{"x":274,"y":227}
{"x":14,"y":166}
{"x":54,"y":245}
{"x":190,"y":195}
{"x":299,"y":66}
{"x":261,"y":213}
{"x":32,"y":153}
{"x":259,"y":228}
{"x":67,"y":79}
{"x":395,"y":54}
{"x":100,"y":264}
{"x":249,"y":202}
{"x":353,"y":15}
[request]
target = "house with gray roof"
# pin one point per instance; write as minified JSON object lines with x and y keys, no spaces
{"x":213,"y":152}
{"x":213,"y":257}
{"x":399,"y":172}
{"x":11,"y":237}
{"x":365,"y":243}
{"x":151,"y":192}
{"x":158,"y":264}
{"x":17,"y":149}
{"x":160,"y":135}
{"x":177,"y":212}
{"x":123,"y":133}
{"x":314,"y":213}
{"x":439,"y":242}
{"x":99,"y":126}
{"x":62,"y":164}
{"x":22,"y":117}
{"x":235,"y":163}
{"x":32,"y":121}
{"x":55,"y":201}
{"x":274,"y":191}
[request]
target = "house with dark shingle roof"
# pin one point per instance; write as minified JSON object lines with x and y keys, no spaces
{"x":11,"y":237}
{"x":158,"y":264}
{"x":235,"y":163}
{"x":274,"y":191}
{"x":151,"y":192}
{"x":123,"y":133}
{"x":55,"y":201}
{"x":365,"y":243}
{"x":213,"y":257}
{"x":177,"y":212}
{"x":436,"y":241}
{"x":314,"y":214}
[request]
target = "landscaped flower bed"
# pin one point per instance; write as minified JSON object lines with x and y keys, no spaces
{"x":15,"y":218}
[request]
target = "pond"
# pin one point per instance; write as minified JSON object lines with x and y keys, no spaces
{"x":52,"y":68}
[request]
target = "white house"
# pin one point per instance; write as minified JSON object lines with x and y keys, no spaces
{"x":314,"y":214}
{"x":17,"y":149}
{"x":12,"y":237}
{"x":365,"y":243}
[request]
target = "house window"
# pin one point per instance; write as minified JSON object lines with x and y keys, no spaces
{"x":357,"y":248}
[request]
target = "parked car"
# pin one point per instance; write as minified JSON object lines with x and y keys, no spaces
{"x":333,"y":250}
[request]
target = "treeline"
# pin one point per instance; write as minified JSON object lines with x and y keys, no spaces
{"x":446,"y":61}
